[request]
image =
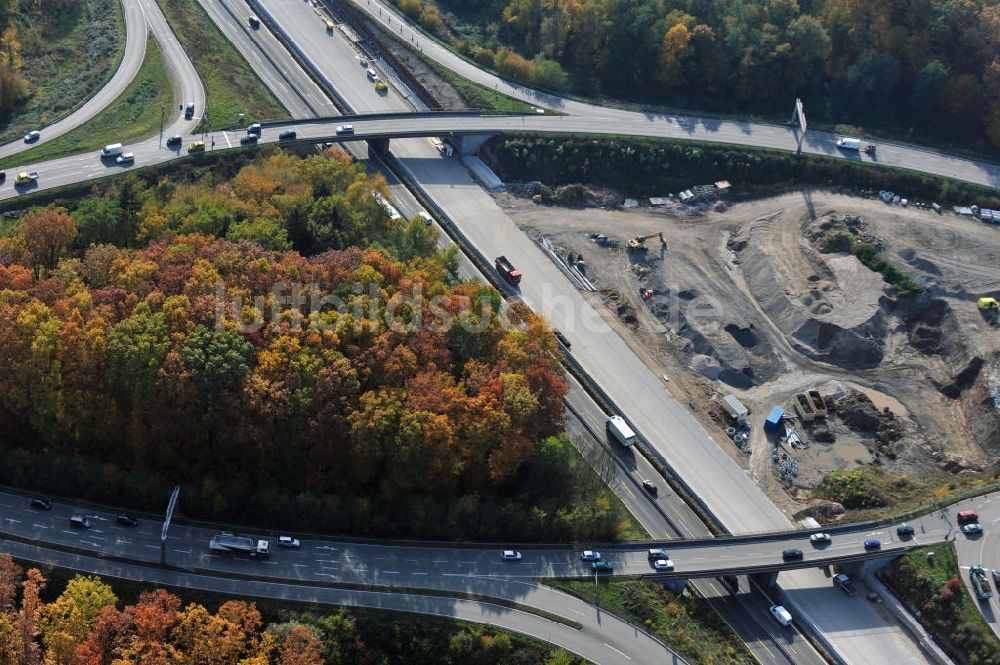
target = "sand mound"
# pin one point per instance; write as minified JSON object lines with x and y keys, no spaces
{"x":830,"y":306}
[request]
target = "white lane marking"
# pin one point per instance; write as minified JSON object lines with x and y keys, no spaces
{"x":119,"y":541}
{"x":300,"y":565}
{"x":440,"y":560}
{"x":87,"y":542}
{"x":381,"y":558}
{"x":228,"y":143}
{"x":412,"y":560}
{"x":188,"y":551}
{"x":390,"y":572}
{"x":11,"y":519}
{"x":618,"y":650}
{"x":270,"y":563}
{"x":152,"y":547}
{"x":418,"y":573}
{"x":41,"y":526}
{"x":5,"y":505}
{"x":468,"y":563}
{"x":327,"y":547}
{"x":325,"y":561}
{"x":72,"y":533}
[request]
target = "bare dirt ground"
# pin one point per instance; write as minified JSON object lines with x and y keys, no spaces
{"x":744,"y":302}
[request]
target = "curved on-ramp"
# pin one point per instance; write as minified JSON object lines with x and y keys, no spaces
{"x":135,"y":51}
{"x":141,"y":18}
{"x":591,"y":641}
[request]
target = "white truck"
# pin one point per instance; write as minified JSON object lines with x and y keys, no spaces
{"x":619,"y":429}
{"x":227,"y":542}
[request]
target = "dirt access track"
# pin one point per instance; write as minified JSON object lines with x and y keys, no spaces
{"x":747,"y":302}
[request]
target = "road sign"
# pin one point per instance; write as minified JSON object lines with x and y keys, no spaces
{"x":166,"y":524}
{"x":798,"y":115}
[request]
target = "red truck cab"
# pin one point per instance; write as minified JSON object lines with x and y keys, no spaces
{"x":507,"y":269}
{"x":967,"y":516}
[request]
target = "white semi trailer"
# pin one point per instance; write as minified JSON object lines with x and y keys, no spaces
{"x":227,"y":542}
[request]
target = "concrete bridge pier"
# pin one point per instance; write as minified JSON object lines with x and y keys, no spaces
{"x":469,"y":144}
{"x":675,"y":585}
{"x":765,"y":580}
{"x":378,"y":147}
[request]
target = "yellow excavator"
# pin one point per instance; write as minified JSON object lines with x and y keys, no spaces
{"x":638,"y":244}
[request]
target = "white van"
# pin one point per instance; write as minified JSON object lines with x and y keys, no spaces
{"x":781,"y":615}
{"x":112,"y":150}
{"x":845,"y":143}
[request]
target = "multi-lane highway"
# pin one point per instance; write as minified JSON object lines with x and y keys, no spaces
{"x":443,"y":565}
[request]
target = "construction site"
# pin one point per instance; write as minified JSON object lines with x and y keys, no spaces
{"x":796,"y":355}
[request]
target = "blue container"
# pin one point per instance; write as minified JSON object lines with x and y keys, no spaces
{"x":773,"y":419}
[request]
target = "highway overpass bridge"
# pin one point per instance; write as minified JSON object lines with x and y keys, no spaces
{"x":417,"y":564}
{"x":468,"y":129}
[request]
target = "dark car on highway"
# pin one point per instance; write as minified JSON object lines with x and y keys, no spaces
{"x":176,"y":139}
{"x":873,"y":544}
{"x":792,"y":555}
{"x":41,"y":504}
{"x":904,"y":530}
{"x":127,"y":520}
{"x":287,"y":135}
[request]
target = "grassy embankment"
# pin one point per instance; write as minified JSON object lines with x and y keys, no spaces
{"x":687,"y":625}
{"x":936,"y":594}
{"x":66,"y":59}
{"x":871,"y":492}
{"x":135,"y":115}
{"x":230,"y":83}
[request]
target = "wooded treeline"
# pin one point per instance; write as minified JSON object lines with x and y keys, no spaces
{"x":932,"y":65}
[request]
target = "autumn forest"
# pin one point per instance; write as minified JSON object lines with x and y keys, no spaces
{"x":147,"y":338}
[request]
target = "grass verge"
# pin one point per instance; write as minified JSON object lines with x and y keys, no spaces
{"x":687,"y":625}
{"x":134,"y":115}
{"x":935,"y":593}
{"x":231,"y":85}
{"x":68,"y":55}
{"x":481,"y":97}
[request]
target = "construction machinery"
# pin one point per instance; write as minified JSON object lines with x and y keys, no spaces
{"x":638,"y":244}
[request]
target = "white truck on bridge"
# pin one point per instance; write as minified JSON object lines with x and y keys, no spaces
{"x":227,"y":542}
